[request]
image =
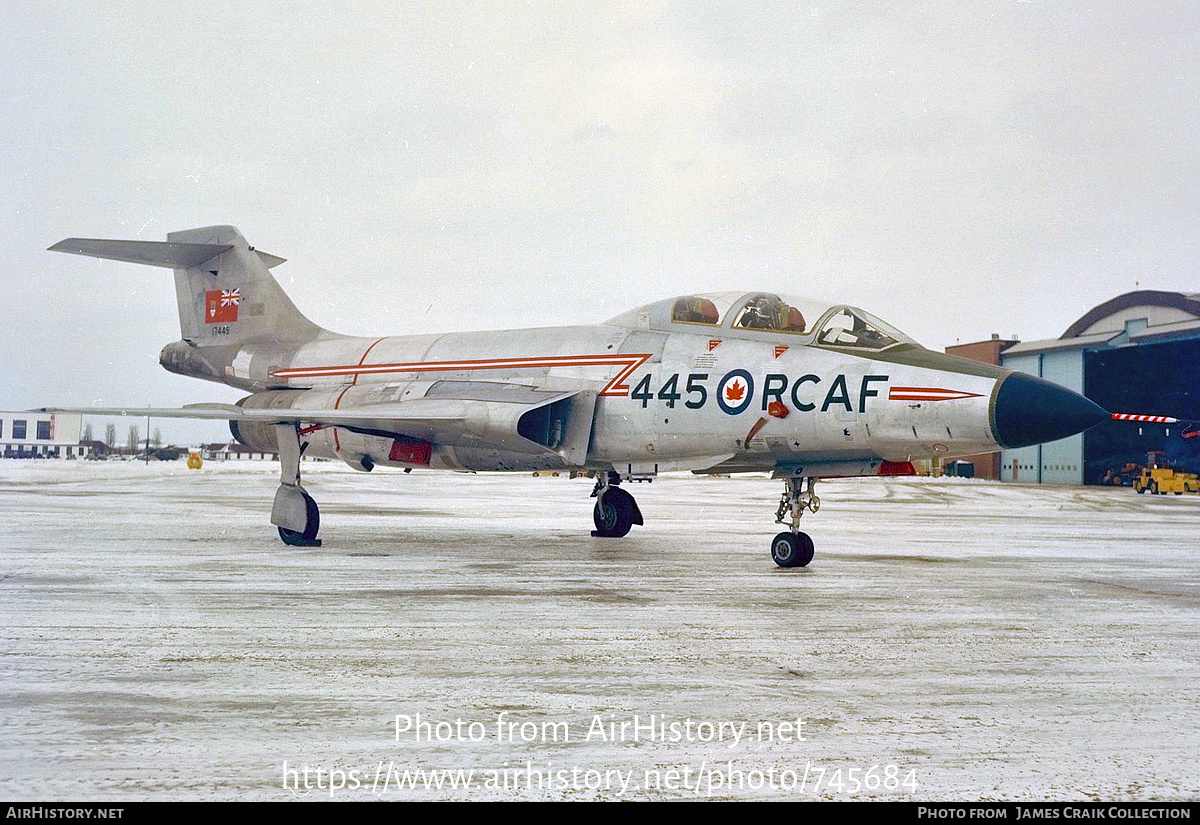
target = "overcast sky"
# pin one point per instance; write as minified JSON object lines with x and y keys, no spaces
{"x":958,"y":168}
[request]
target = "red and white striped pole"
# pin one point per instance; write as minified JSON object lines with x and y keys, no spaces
{"x":1149,"y":419}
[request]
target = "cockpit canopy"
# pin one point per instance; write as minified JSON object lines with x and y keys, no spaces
{"x":695,"y":309}
{"x":841,"y":327}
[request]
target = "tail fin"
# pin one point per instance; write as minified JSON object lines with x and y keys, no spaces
{"x":225,"y":292}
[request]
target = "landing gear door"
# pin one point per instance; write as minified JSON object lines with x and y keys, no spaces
{"x":564,"y":427}
{"x":577,"y":435}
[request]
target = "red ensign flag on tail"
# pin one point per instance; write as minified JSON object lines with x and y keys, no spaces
{"x":221,"y":305}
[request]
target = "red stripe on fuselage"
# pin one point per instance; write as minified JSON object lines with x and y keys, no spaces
{"x":336,"y":442}
{"x":927,"y":394}
{"x":616,"y":386}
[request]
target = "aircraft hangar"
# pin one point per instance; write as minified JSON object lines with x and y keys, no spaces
{"x":1138,"y":353}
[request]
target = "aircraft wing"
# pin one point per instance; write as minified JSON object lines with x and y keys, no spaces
{"x":474,"y":413}
{"x":412,"y":410}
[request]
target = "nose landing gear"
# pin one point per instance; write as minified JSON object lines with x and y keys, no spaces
{"x":615,"y":511}
{"x":794,"y":548}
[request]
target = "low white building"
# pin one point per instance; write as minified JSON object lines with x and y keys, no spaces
{"x":41,"y":435}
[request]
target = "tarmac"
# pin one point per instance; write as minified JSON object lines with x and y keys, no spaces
{"x":465,"y":638}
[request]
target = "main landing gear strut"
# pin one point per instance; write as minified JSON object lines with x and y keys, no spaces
{"x":294,"y":511}
{"x":794,"y":548}
{"x":615,"y":511}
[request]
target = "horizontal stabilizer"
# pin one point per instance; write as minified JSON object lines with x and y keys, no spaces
{"x":170,"y":254}
{"x":152,"y":253}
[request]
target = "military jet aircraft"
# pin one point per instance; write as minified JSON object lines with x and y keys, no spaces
{"x":722,"y":383}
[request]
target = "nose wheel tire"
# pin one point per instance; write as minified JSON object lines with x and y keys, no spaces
{"x":792,"y":549}
{"x":615,"y":512}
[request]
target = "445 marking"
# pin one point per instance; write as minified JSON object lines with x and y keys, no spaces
{"x":736,"y":390}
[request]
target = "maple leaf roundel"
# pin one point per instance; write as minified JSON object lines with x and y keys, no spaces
{"x":735,"y":391}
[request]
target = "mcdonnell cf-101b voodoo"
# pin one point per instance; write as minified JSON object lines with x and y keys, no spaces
{"x":722,"y":383}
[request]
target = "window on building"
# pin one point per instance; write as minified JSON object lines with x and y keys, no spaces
{"x":18,"y":428}
{"x":43,"y":430}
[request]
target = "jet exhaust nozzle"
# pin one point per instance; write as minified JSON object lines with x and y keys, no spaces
{"x":1029,"y":410}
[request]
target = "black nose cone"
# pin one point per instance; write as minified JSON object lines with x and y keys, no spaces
{"x":1029,"y":410}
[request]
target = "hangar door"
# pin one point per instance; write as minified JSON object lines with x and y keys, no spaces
{"x":1153,"y":379}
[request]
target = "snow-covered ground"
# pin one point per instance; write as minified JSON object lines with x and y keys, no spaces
{"x":952,"y":640}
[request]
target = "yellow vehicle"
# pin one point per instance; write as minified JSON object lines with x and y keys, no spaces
{"x":1164,"y":480}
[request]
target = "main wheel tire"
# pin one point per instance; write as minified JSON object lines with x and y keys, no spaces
{"x":792,"y":549}
{"x":312,"y":524}
{"x":614,"y":513}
